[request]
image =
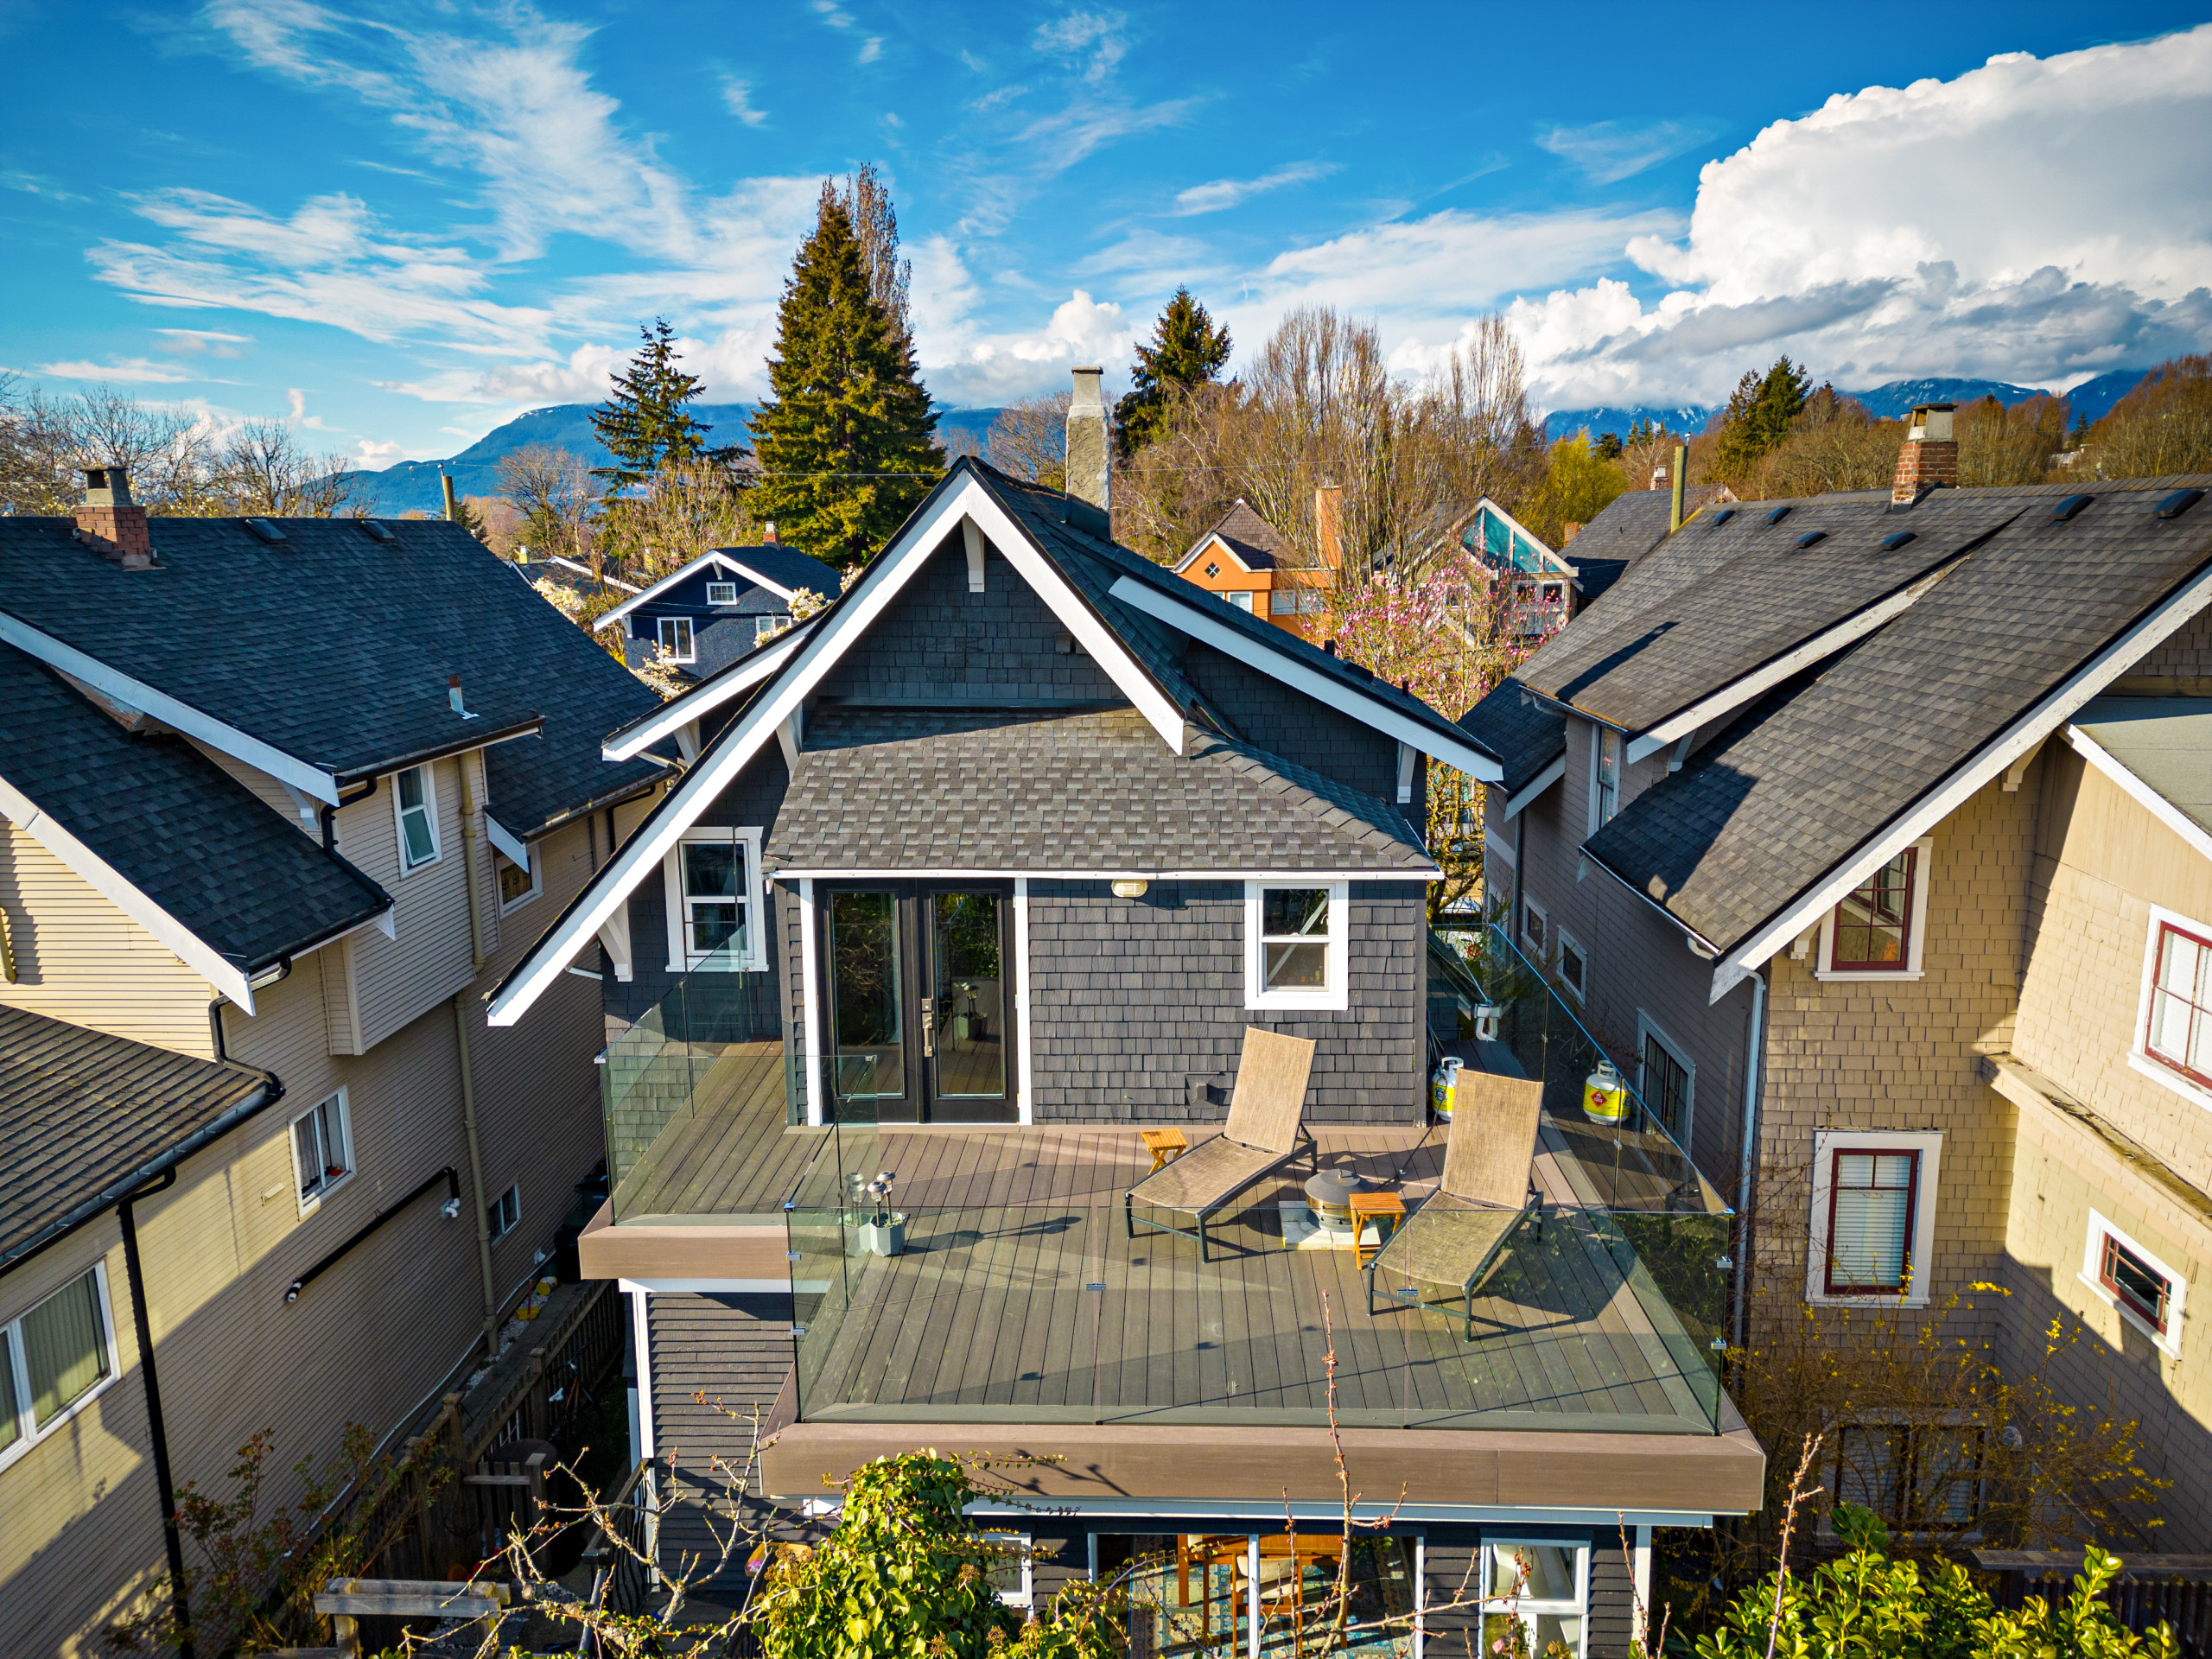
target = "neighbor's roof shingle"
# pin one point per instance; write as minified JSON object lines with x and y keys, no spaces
{"x":1252,"y":538}
{"x":2165,"y":742}
{"x":176,"y":826}
{"x":1526,"y":735}
{"x":996,"y":790}
{"x":84,"y":1117}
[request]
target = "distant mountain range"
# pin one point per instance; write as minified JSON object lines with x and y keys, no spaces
{"x":2093,"y":400}
{"x":413,"y":486}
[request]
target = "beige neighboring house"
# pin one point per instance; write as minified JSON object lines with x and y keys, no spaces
{"x":278,"y":802}
{"x":1872,"y":835}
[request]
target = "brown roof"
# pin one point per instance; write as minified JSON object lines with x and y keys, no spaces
{"x":1253,"y":539}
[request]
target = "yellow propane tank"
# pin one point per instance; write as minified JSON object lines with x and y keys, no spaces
{"x":1444,"y":1086}
{"x":1605,"y":1096}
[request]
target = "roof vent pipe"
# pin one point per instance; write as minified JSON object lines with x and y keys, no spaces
{"x":453,"y":696}
{"x":1089,"y":473}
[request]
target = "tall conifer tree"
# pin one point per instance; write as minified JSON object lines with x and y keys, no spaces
{"x":847,"y":438}
{"x":1758,"y":415}
{"x":643,"y":422}
{"x":1186,"y":350}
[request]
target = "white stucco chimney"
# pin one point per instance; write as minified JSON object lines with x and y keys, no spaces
{"x":1090,"y":452}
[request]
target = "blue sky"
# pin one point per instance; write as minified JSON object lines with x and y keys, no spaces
{"x":399,"y":225}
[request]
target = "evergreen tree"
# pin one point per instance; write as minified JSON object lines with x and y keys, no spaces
{"x":643,"y":422}
{"x":847,"y":437}
{"x":1758,"y":415}
{"x":1187,"y":350}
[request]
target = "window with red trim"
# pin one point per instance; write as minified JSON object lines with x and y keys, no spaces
{"x":2134,"y":1283}
{"x":1873,"y":924}
{"x":1871,"y":1195}
{"x":2180,"y":1030}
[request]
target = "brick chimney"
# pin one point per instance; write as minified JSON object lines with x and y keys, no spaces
{"x":1930,"y":455}
{"x":1089,"y":473}
{"x":768,"y":534}
{"x":1329,"y":526}
{"x":110,"y":523}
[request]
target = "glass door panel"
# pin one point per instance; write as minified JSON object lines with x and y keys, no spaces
{"x":867,"y":1029}
{"x":965,"y":1016}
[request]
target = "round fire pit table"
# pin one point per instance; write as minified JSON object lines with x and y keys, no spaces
{"x":1329,"y":1194}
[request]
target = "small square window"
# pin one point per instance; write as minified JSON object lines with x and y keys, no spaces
{"x":1313,"y":604}
{"x":1213,"y":569}
{"x":674,"y":633}
{"x":2128,"y":1277}
{"x":53,"y":1358}
{"x":519,"y":883}
{"x":1295,"y":946}
{"x":1241,"y":599}
{"x":504,"y":1214}
{"x":1542,"y":1587}
{"x":1009,"y":1571}
{"x":1283,"y":601}
{"x":415,"y":800}
{"x":721,"y":592}
{"x":1574,"y":966}
{"x":322,"y":1150}
{"x":1875,"y":932}
{"x":774,"y":622}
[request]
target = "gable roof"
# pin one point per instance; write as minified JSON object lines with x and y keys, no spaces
{"x":86,"y":1118}
{"x":2157,"y":749}
{"x":1529,"y":736}
{"x":184,"y":848}
{"x":1130,"y":616}
{"x":1831,"y":772}
{"x":324,"y":657}
{"x":1251,"y":540}
{"x":782,"y":570}
{"x":1004,"y":791}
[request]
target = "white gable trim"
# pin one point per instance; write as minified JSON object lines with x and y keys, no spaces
{"x":775,"y":587}
{"x":819,"y":652}
{"x":743,"y":676}
{"x":2193,"y":833}
{"x":506,"y":842}
{"x":309,"y":780}
{"x":1211,"y":539}
{"x":110,"y":883}
{"x":585,"y":570}
{"x":720,"y":560}
{"x":1558,"y":560}
{"x":1322,"y":688}
{"x":1543,"y":780}
{"x":2030,"y":729}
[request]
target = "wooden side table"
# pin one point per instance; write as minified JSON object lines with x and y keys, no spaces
{"x":1164,"y":1144}
{"x":1378,"y":1206}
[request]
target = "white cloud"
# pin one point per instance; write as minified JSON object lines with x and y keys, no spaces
{"x":738,"y":95}
{"x":126,"y":371}
{"x":581,"y":377}
{"x":1609,"y":151}
{"x":1090,"y":40}
{"x":832,"y":14}
{"x":375,"y":454}
{"x":871,"y":48}
{"x":966,"y":363}
{"x":1231,"y":193}
{"x":185,"y":342}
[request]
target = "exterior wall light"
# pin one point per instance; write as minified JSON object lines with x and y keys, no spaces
{"x":1134,"y":889}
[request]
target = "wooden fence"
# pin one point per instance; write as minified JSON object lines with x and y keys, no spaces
{"x":622,"y":1580}
{"x":2175,"y":1590}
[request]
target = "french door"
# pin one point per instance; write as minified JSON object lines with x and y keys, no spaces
{"x":920,"y":1001}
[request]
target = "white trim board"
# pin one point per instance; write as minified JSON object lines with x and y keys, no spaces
{"x":714,"y":556}
{"x":1024,"y":1072}
{"x":298,"y":774}
{"x":845,"y":621}
{"x":1370,"y":711}
{"x":2023,"y":734}
{"x":742,"y":676}
{"x":1430,"y":874}
{"x":2198,"y":838}
{"x":112,"y":884}
{"x":1248,"y":1510}
{"x":505,"y":841}
{"x":1535,"y":787}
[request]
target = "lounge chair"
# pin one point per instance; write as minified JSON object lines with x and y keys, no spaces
{"x":1457,"y":1238}
{"x":1262,"y":1136}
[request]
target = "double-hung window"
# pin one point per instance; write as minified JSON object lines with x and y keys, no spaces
{"x":54,"y":1358}
{"x":504,"y":1214}
{"x":1667,"y":1079}
{"x":1874,"y":1216}
{"x":721,"y":592}
{"x":1605,"y":776}
{"x":323,"y":1149}
{"x":1542,"y":1587}
{"x":714,"y":905}
{"x":674,"y":633}
{"x":2125,"y":1276}
{"x":1295,"y":951}
{"x":1916,"y":1476}
{"x":415,"y":800}
{"x":1878,"y":929}
{"x":2176,"y":1020}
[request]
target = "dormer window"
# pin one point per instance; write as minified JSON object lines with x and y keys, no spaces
{"x":721,"y":592}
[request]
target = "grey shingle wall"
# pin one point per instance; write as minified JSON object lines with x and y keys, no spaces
{"x":732,"y":1349}
{"x":937,"y":639}
{"x":1271,"y":716}
{"x":1132,"y":998}
{"x":1450,"y":1552}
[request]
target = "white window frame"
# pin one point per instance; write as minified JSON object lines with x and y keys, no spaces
{"x":681,"y":960}
{"x":769,"y":623}
{"x":662,"y":625}
{"x":311,"y":1202}
{"x":1336,"y":994}
{"x":1026,"y":1596}
{"x":1915,"y":936}
{"x":1647,"y":1029}
{"x":721,"y":592}
{"x":1528,"y":1608}
{"x":2139,"y":1047}
{"x":537,"y":878}
{"x":499,"y":1204}
{"x":1240,"y":597}
{"x":11,"y":1334}
{"x":1563,"y":942}
{"x":1926,"y":1190}
{"x":2169,"y":1343}
{"x":1599,"y":819}
{"x":429,"y":808}
{"x":1543,"y":946}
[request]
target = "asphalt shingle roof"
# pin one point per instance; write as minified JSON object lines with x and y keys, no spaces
{"x":1252,"y":538}
{"x":84,"y":1117}
{"x":997,"y":790}
{"x":1526,"y":737}
{"x":172,"y":824}
{"x":2164,"y":741}
{"x":334,"y":647}
{"x":786,"y":567}
{"x":1810,"y":772}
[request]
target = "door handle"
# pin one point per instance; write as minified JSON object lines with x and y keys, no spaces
{"x":929,"y":1028}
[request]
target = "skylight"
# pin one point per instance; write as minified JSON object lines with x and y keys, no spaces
{"x":1778,"y":514}
{"x":2178,"y":503}
{"x":1812,"y":536}
{"x":2068,"y":508}
{"x":376,"y":530}
{"x":266,"y":528}
{"x":1891,"y":544}
{"x":1723,"y":517}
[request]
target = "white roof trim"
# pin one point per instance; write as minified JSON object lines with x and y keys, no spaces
{"x":887,"y":577}
{"x":775,"y":587}
{"x":639,"y":597}
{"x":2149,"y":798}
{"x":1213,"y":538}
{"x":583,"y":569}
{"x":748,"y":673}
{"x":1322,"y":688}
{"x":516,"y":850}
{"x":1535,"y":787}
{"x":2024,"y":733}
{"x":1430,"y":874}
{"x":1740,"y":691}
{"x":189,"y":948}
{"x":309,"y":780}
{"x":1565,"y":568}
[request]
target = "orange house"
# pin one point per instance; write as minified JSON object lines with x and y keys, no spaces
{"x":1254,"y":566}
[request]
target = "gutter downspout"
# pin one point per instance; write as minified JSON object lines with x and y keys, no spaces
{"x":468,"y":833}
{"x":157,"y":1433}
{"x":1754,"y":1075}
{"x":330,"y":816}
